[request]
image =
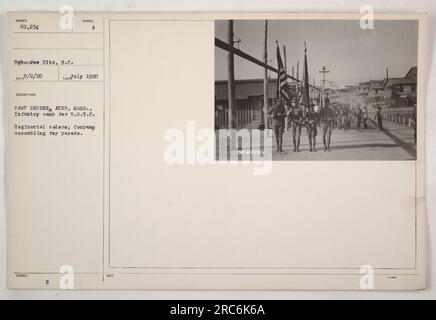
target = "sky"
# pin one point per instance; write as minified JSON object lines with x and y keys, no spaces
{"x":350,"y":53}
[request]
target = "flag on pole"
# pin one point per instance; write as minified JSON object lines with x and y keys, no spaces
{"x":305,"y":99}
{"x":283,"y":90}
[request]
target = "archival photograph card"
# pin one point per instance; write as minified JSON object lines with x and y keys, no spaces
{"x":216,"y":150}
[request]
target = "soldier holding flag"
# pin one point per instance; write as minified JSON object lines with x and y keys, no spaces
{"x":278,"y":115}
{"x":312,"y":117}
{"x":312,"y":120}
{"x":279,"y":112}
{"x":297,"y":118}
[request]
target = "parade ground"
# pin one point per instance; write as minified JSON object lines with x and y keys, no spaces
{"x":395,"y":142}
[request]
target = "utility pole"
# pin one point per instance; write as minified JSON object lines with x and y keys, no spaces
{"x":323,"y":71}
{"x":265,"y":79}
{"x":231,"y":79}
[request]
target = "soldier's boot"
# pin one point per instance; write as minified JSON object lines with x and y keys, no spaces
{"x":310,"y":144}
{"x":295,"y":144}
{"x":298,"y":144}
{"x":281,"y":143}
{"x":314,"y":144}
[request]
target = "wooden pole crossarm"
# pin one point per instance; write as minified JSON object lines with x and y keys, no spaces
{"x":225,"y":46}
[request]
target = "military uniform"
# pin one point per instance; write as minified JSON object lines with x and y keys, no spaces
{"x":327,"y":117}
{"x":297,"y":119}
{"x":278,"y":116}
{"x":379,"y":118}
{"x":359,"y":117}
{"x":365,"y":117}
{"x":312,"y":120}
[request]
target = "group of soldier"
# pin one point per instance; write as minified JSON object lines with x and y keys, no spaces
{"x":344,"y":117}
{"x":299,"y":117}
{"x":360,"y":114}
{"x":311,"y":118}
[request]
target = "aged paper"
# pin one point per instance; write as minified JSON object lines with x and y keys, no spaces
{"x":113,"y":170}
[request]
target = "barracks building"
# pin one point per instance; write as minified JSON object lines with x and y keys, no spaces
{"x":249,"y":102}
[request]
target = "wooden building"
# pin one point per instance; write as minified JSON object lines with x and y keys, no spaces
{"x":249,"y":102}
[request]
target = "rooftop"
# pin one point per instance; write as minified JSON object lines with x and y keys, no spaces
{"x":394,"y":81}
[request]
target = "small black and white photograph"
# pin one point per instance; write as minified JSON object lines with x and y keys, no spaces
{"x":325,"y":89}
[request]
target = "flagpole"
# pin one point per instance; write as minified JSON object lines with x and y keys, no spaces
{"x":231,"y":79}
{"x":265,"y":79}
{"x":284,"y":54}
{"x":297,"y":103}
{"x":306,"y":82}
{"x":278,"y":80}
{"x":286,"y":71}
{"x":313,"y":89}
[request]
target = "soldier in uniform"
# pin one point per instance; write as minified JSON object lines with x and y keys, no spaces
{"x":278,"y":115}
{"x":312,"y":120}
{"x":365,"y":117}
{"x":327,"y":117}
{"x":359,"y":116}
{"x":296,"y":118}
{"x":379,"y":118}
